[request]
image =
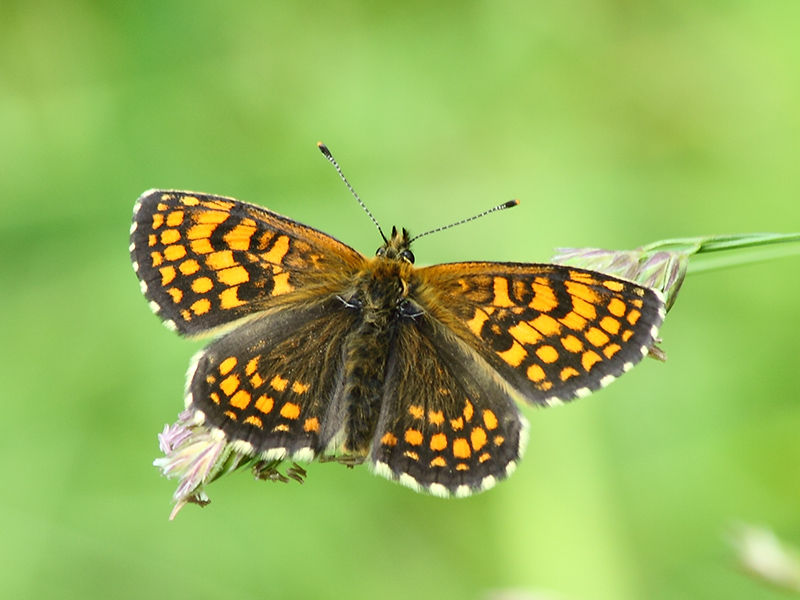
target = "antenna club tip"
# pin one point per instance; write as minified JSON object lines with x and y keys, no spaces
{"x":323,"y":148}
{"x":512,"y":203}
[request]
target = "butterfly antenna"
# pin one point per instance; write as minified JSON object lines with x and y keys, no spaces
{"x":505,"y":205}
{"x":324,"y":149}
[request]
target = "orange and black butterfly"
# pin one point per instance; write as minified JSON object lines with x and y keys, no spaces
{"x":324,"y":352}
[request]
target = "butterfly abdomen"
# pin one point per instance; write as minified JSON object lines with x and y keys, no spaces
{"x":378,"y":296}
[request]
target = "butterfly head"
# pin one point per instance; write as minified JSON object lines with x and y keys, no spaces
{"x":397,"y":247}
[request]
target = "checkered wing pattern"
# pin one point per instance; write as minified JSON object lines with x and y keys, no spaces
{"x":552,"y":332}
{"x":274,"y":386}
{"x":447,"y":426}
{"x":205,"y":261}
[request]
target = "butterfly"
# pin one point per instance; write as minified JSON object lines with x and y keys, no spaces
{"x":323,"y":353}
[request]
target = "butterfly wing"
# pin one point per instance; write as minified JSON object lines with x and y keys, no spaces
{"x":448,"y":425}
{"x":274,"y":386}
{"x":205,"y":261}
{"x":552,"y":332}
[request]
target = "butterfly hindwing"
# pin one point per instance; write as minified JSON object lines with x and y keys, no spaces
{"x":553,"y":332}
{"x":274,"y":384}
{"x":447,"y":426}
{"x":205,"y":261}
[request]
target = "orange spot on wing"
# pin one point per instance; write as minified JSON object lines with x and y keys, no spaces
{"x":281,"y":285}
{"x":200,"y":232}
{"x":514,"y":355}
{"x":174,"y":252}
{"x":461,"y":448}
{"x":547,"y":354}
{"x":202,"y":284}
{"x":596,"y":337}
{"x":468,"y":410}
{"x":388,"y":439}
{"x":170,"y":236}
{"x":546,"y":324}
{"x":476,"y":323}
{"x":229,"y":299}
{"x":584,"y":309}
{"x":438,"y":442}
{"x":189,"y":267}
{"x":436,"y":417}
{"x":176,"y":294}
{"x":311,"y":424}
{"x":568,"y":372}
{"x":616,"y":307}
{"x":265,"y":404}
{"x":438,"y":461}
{"x":614,"y":286}
{"x":233,"y":275}
{"x":252,"y":365}
{"x":573,"y":320}
{"x":239,"y":237}
{"x":416,"y":411}
{"x":572,"y":343}
{"x":278,"y":251}
{"x":290,"y":410}
{"x":229,"y":385}
{"x":413,"y":437}
{"x":589,"y":359}
{"x":501,"y":297}
{"x":544,"y":299}
{"x":213,"y":217}
{"x":580,"y":291}
{"x":226,"y":366}
{"x":253,"y":420}
{"x":477,"y":438}
{"x":535,"y":373}
{"x":220,"y":260}
{"x":201,"y":307}
{"x":175,"y":218}
{"x":279,"y":383}
{"x":611,"y":350}
{"x":489,"y":419}
{"x":167,"y":274}
{"x":524,"y":333}
{"x":610,"y":324}
{"x":300,"y":388}
{"x":201,"y":246}
{"x":240,"y":399}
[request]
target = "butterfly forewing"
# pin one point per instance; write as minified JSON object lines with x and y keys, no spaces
{"x":553,"y":332}
{"x":205,"y":261}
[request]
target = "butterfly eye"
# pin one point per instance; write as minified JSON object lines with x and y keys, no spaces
{"x":409,"y":309}
{"x":381,"y":251}
{"x":407,"y":255}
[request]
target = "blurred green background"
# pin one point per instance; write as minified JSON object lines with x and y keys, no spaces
{"x":615,"y":123}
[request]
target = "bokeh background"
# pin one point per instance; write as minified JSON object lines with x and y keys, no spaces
{"x":615,"y":123}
